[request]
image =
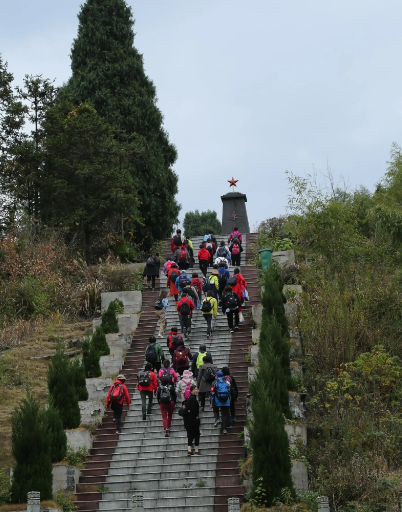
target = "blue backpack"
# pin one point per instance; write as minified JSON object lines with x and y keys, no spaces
{"x":173,"y":276}
{"x":222,"y":252}
{"x":182,"y":280}
{"x":222,"y":390}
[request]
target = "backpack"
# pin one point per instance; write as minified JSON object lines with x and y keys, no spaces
{"x":183,"y":254}
{"x":222,"y":279}
{"x":206,"y":306}
{"x":205,"y":285}
{"x":184,"y":308}
{"x":158,"y":304}
{"x":206,"y":237}
{"x":232,"y":280}
{"x":177,"y":240}
{"x":222,"y":252}
{"x":177,"y":340}
{"x":166,"y":377}
{"x":181,"y":357}
{"x":236,"y":249}
{"x":209,"y":247}
{"x":212,"y":282}
{"x":173,"y":276}
{"x":182,"y":280}
{"x":150,"y":262}
{"x":117,"y":393}
{"x":209,"y":375}
{"x":144,"y":378}
{"x":222,"y":390}
{"x":200,"y":358}
{"x":236,"y":234}
{"x":164,"y":396}
{"x":231,"y":301}
{"x":187,"y":391}
{"x":150,"y":353}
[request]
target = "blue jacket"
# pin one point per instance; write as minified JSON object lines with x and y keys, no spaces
{"x":226,"y":273}
{"x":183,"y":273}
{"x":215,"y":400}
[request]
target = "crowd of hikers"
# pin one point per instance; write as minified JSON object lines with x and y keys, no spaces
{"x":170,"y":380}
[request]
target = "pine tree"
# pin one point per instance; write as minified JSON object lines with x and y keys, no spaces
{"x":90,"y":358}
{"x":271,"y":338}
{"x":31,"y":451}
{"x":57,"y":438}
{"x":110,"y":321}
{"x":99,"y":342}
{"x":78,"y":373}
{"x":108,"y":71}
{"x":273,"y":299}
{"x":60,"y":382}
{"x":270,"y":445}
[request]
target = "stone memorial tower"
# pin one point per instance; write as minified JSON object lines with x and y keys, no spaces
{"x":234,"y":211}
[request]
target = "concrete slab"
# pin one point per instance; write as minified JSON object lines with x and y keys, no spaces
{"x":295,"y":432}
{"x":257,"y":314}
{"x":78,"y":438}
{"x":254,"y":354}
{"x":255,"y":335}
{"x":128,"y":323}
{"x":92,"y":412}
{"x":299,"y":475}
{"x":110,"y":365}
{"x":65,"y":478}
{"x":132,"y":301}
{"x":284,"y":257}
{"x":251,"y":372}
{"x":98,"y":388}
{"x":291,"y":311}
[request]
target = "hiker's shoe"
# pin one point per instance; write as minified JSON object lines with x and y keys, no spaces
{"x":167,"y":433}
{"x":189,"y":453}
{"x":144,"y":416}
{"x":160,"y":336}
{"x":117,"y":431}
{"x":208,"y":337}
{"x":236,"y":327}
{"x":233,"y":420}
{"x":114,"y":420}
{"x":224,"y":431}
{"x":217,"y":423}
{"x":197,"y":453}
{"x":231,"y":331}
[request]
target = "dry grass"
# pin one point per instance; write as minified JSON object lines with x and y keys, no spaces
{"x":17,"y":371}
{"x":24,"y":506}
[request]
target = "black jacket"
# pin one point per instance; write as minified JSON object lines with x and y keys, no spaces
{"x":172,"y":390}
{"x":150,"y":270}
{"x":224,"y":296}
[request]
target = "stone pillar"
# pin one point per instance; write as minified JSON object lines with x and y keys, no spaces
{"x":323,"y":504}
{"x":33,"y":501}
{"x":234,"y":213}
{"x":138,"y":503}
{"x":233,"y":505}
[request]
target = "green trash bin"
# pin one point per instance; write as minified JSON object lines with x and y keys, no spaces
{"x":266,"y":257}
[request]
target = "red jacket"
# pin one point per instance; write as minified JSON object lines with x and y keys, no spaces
{"x":203,"y":254}
{"x":169,"y":339}
{"x":182,"y":301}
{"x":125,"y":391}
{"x":152,"y":387}
{"x":239,"y":286}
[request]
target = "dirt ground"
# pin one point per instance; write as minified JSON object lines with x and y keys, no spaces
{"x":17,"y":372}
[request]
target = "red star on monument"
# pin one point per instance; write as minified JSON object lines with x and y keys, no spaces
{"x":232,"y":182}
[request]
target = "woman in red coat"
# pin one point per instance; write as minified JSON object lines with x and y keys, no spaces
{"x":171,"y":282}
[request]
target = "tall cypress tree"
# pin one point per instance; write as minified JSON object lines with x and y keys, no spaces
{"x":64,"y":396}
{"x":273,"y":298}
{"x":56,"y":435}
{"x":31,"y":451}
{"x":108,"y":71}
{"x":78,"y":375}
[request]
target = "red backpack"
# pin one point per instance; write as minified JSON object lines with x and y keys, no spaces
{"x":236,"y":249}
{"x":181,"y":357}
{"x":183,"y":254}
{"x":117,"y":392}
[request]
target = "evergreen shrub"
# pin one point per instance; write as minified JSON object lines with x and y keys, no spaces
{"x":78,"y":374}
{"x":110,"y":323}
{"x":62,"y":390}
{"x":90,"y":358}
{"x":56,"y":435}
{"x":99,"y":342}
{"x":31,"y":450}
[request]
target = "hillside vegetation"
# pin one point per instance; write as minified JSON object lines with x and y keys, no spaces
{"x":348,"y":259}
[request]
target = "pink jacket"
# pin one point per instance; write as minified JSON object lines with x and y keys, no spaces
{"x":172,"y":373}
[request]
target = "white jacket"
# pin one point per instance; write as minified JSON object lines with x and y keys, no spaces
{"x":181,"y":387}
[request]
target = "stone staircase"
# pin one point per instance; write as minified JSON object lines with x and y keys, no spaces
{"x":141,"y":461}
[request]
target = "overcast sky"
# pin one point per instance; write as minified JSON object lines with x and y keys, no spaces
{"x":248,"y":88}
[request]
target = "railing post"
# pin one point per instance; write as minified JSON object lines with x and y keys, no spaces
{"x":323,"y":504}
{"x":138,"y":503}
{"x":33,"y":501}
{"x":233,"y":505}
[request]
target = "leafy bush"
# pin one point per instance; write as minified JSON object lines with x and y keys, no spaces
{"x":5,"y":491}
{"x":110,"y":322}
{"x":65,"y":501}
{"x":76,"y":458}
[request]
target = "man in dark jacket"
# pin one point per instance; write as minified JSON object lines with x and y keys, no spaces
{"x":116,"y":395}
{"x":174,"y":340}
{"x":181,"y":359}
{"x":202,"y":380}
{"x":230,"y":306}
